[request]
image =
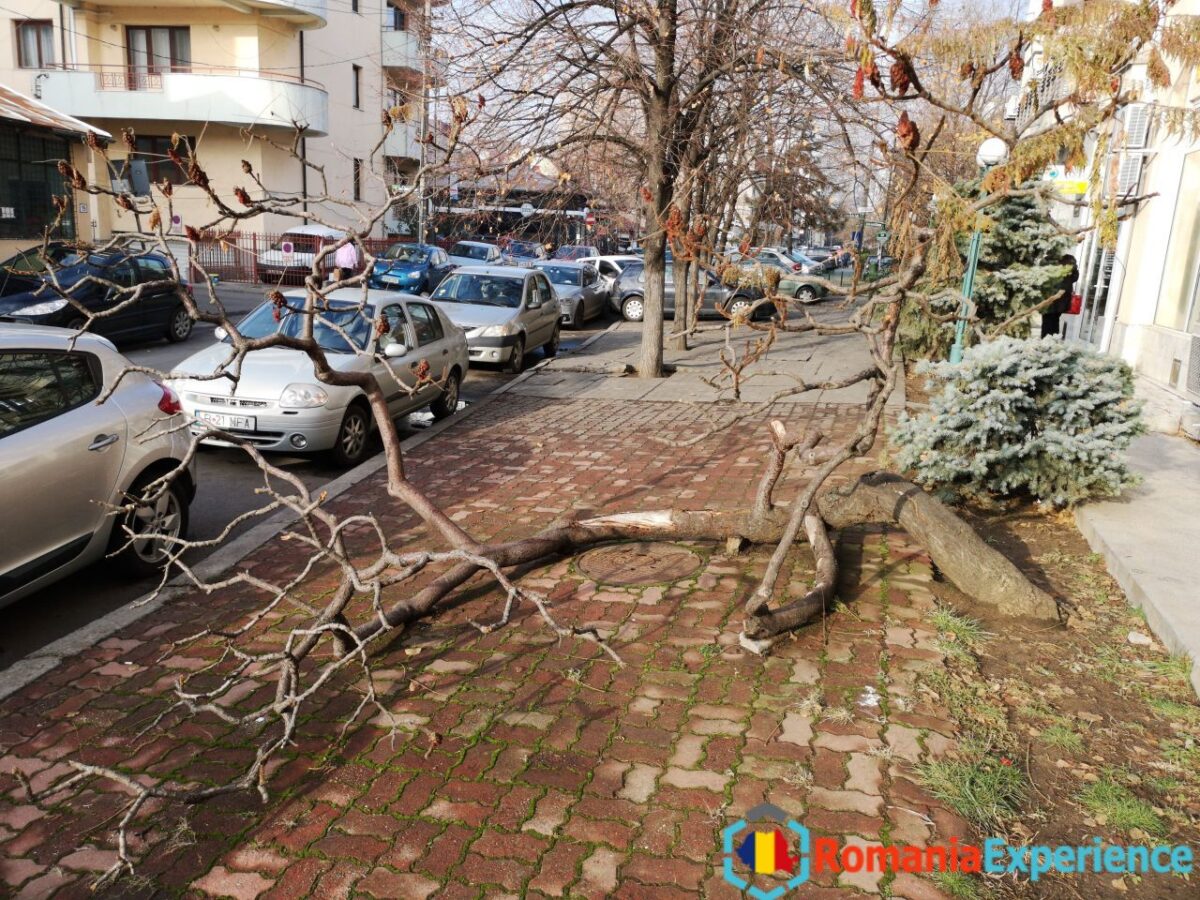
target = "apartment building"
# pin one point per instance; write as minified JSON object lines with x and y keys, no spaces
{"x":208,"y":70}
{"x":1141,"y":296}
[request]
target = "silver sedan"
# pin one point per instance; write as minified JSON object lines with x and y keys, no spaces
{"x":278,"y":405}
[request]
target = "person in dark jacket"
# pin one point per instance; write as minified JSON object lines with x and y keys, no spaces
{"x":1052,"y":315}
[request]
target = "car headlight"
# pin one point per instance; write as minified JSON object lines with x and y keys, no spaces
{"x":496,"y":330}
{"x":41,"y":309}
{"x":303,"y":396}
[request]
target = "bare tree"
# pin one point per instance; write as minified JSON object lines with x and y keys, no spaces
{"x":379,"y":590}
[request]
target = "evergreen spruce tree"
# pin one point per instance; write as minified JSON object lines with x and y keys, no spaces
{"x":1019,"y":267}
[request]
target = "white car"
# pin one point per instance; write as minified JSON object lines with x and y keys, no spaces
{"x":610,"y":268}
{"x":67,"y":462}
{"x":291,"y":257}
{"x":475,"y":253}
{"x":279,"y":405}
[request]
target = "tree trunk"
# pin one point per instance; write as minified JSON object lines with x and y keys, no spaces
{"x":657,"y":204}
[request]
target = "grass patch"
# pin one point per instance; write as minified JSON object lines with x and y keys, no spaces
{"x":1177,"y":666}
{"x":981,"y":786}
{"x":957,"y":628}
{"x":1178,"y":712}
{"x":1121,"y":808}
{"x":1063,"y":737}
{"x":957,"y":884}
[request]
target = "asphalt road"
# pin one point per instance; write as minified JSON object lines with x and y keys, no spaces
{"x":226,"y":480}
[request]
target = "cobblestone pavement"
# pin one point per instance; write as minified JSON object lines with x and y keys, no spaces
{"x":557,"y":773}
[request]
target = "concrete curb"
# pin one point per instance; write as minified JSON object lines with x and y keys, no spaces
{"x":31,"y":667}
{"x":1177,"y":636}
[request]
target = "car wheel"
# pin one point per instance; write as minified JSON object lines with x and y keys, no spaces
{"x":351,"y":446}
{"x":550,"y":348}
{"x":516,"y":362}
{"x":633,"y":309}
{"x":447,"y":402}
{"x":179,"y":329}
{"x":740,"y":305}
{"x":806,"y":294}
{"x":145,"y":535}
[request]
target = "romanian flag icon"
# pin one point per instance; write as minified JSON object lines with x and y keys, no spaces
{"x":767,"y":852}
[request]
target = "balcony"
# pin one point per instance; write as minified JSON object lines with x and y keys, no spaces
{"x":302,"y":13}
{"x":227,"y":96}
{"x":403,"y":141}
{"x":401,"y":50}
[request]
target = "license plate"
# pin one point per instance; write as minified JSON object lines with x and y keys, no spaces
{"x":390,"y":279}
{"x":224,"y":420}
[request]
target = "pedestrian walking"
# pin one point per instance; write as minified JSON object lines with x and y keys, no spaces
{"x":345,"y":261}
{"x":1052,"y":315}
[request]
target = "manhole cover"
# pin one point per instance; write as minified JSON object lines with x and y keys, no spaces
{"x":641,"y":563}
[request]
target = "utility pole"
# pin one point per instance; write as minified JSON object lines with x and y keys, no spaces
{"x":422,"y":181}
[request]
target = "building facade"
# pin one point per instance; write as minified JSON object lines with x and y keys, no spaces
{"x":208,"y":70}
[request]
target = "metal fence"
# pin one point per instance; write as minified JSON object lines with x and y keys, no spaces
{"x":257,"y":257}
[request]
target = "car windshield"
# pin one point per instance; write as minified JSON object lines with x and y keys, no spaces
{"x":355,"y":322}
{"x":405,"y":253}
{"x":801,"y":258}
{"x":301,"y":243}
{"x":486,"y":290}
{"x":31,"y":262}
{"x":573,"y":252}
{"x":562,"y":275}
{"x":523,"y":248}
{"x":470,"y":251}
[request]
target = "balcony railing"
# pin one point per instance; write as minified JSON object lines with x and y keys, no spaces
{"x":219,"y":94}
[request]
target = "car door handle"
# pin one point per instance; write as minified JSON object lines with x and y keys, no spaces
{"x":445,"y":351}
{"x":100,"y":441}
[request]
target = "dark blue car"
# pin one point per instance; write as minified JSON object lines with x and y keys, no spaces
{"x":96,"y":284}
{"x":412,"y":268}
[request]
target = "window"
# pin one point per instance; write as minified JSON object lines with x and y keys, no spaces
{"x":357,"y":72}
{"x":398,"y":21}
{"x":37,"y":386}
{"x":153,"y":150}
{"x":28,"y":180}
{"x":121,"y":274}
{"x":154,"y":269}
{"x":35,"y":44}
{"x":426,"y":324}
{"x":154,"y":50}
{"x":541,"y":289}
{"x":356,"y":174}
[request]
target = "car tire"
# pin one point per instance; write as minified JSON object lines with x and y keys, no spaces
{"x":550,"y":348}
{"x":446,"y":403}
{"x":633,"y":309}
{"x":516,"y":362}
{"x":168,"y":515}
{"x":353,"y":437}
{"x":806,"y":294}
{"x":739,"y":303}
{"x":179,"y":328}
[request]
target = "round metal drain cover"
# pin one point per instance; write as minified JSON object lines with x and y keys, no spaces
{"x":639,"y":563}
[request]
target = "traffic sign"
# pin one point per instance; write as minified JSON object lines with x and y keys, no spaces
{"x":589,"y":218}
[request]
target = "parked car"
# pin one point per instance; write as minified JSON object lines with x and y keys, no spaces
{"x":506,"y":311}
{"x":805,"y":264}
{"x":575,"y":251}
{"x":275,"y":266}
{"x":718,"y":298}
{"x":523,"y":253}
{"x":581,"y":293}
{"x":158,"y":313}
{"x":280,"y":406}
{"x":66,"y":461}
{"x":414,"y":268}
{"x":609,"y":269}
{"x":475,"y":253}
{"x":791,"y":283}
{"x":24,"y":271}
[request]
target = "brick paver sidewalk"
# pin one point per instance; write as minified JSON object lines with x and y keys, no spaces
{"x":558,"y":773}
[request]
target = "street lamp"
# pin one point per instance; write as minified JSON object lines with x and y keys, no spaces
{"x":992,"y":152}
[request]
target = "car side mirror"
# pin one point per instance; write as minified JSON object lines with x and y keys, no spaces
{"x":533,"y":303}
{"x":219,"y":333}
{"x":395,"y":349}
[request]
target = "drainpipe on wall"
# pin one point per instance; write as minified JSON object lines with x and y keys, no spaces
{"x":303,"y":140}
{"x":1113,"y":306}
